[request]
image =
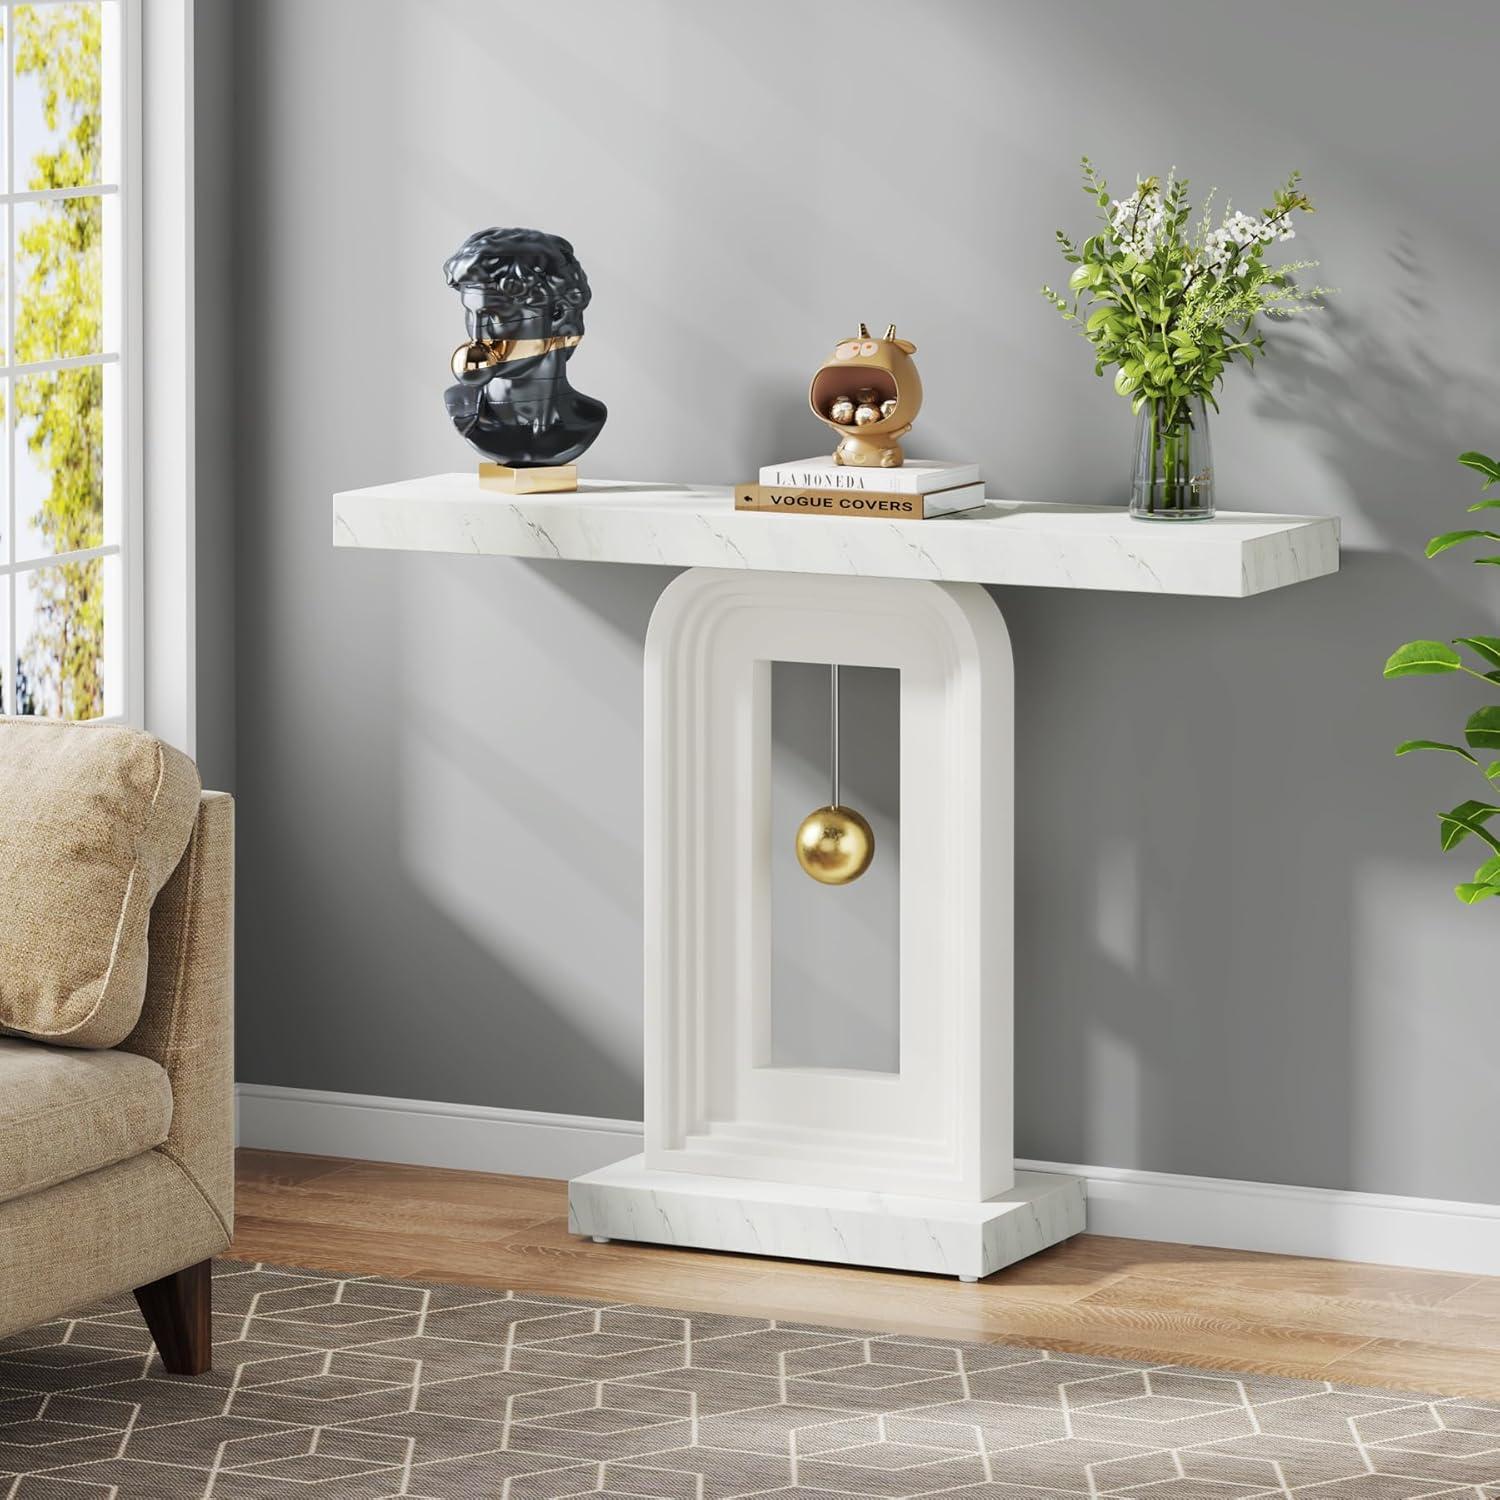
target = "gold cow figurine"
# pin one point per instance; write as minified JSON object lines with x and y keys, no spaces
{"x":869,"y":393}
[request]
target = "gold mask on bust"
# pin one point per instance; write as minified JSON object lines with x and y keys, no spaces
{"x":482,"y":355}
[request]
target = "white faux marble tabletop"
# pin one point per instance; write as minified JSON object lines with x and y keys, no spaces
{"x":691,"y":525}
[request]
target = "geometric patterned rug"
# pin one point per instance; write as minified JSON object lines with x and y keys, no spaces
{"x":358,"y":1388}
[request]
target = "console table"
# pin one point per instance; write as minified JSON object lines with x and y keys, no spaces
{"x":912,"y":1168}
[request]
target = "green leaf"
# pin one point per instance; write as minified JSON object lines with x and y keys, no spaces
{"x":1124,"y":382}
{"x":1409,"y":745}
{"x":1453,"y":538}
{"x":1471,"y":894}
{"x":1485,"y":465}
{"x":1492,"y":771}
{"x":1493,"y":561}
{"x":1098,"y":317}
{"x":1487,"y":646}
{"x":1083,"y":276}
{"x":1422,"y":659}
{"x":1486,"y":504}
{"x":1482,"y":732}
{"x":1489,"y":871}
{"x":1468,"y":817}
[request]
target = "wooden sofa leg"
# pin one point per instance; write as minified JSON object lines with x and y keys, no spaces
{"x":178,"y":1312}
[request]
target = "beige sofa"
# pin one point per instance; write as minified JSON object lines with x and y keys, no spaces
{"x":116,"y":1036}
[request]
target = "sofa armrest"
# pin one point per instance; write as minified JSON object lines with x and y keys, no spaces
{"x":187,"y":1024}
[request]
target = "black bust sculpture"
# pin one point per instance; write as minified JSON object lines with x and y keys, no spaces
{"x":524,"y":294}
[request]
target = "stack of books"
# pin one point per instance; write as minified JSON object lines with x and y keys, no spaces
{"x":920,"y":490}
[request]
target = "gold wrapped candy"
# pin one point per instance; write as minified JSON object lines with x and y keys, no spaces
{"x":865,"y":413}
{"x":842,"y":411}
{"x":888,"y":408}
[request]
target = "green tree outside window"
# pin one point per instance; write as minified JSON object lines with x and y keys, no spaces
{"x":59,"y":313}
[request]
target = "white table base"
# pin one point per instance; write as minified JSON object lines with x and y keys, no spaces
{"x":911,"y":1169}
{"x":629,"y":1201}
{"x":742,"y":1152}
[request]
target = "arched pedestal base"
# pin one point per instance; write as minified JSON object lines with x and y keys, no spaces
{"x":913,"y":1168}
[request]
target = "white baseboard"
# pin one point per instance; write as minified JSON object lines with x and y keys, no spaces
{"x":1425,"y":1233}
{"x":476,"y":1137}
{"x":1428,"y":1234}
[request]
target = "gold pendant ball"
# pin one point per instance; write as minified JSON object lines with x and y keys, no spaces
{"x":835,"y":845}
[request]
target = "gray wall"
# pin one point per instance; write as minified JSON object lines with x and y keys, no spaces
{"x":1237,"y":952}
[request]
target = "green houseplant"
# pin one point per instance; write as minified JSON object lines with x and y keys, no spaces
{"x":1170,"y":306}
{"x":1482,"y":731}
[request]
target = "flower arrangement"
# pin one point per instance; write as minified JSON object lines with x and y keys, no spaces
{"x":1482,"y":731}
{"x":1170,"y":306}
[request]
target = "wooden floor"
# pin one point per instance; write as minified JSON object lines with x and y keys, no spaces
{"x":1217,"y":1309}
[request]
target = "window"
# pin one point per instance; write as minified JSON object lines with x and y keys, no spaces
{"x":66,"y":644}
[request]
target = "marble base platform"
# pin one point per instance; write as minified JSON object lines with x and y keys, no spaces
{"x":627,"y":1201}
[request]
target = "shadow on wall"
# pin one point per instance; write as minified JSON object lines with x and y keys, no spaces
{"x":1383,"y":413}
{"x":518,"y":811}
{"x":454,"y":1004}
{"x":1185,"y":851}
{"x":1222,"y":832}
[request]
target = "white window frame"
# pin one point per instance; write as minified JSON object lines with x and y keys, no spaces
{"x":163,"y":373}
{"x":123,"y":616}
{"x":156,"y":290}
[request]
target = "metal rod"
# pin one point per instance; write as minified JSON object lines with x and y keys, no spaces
{"x":833,"y":735}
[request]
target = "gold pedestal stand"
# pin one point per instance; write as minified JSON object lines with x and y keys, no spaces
{"x":550,"y":480}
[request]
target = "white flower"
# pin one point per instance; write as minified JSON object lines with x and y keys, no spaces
{"x":1136,"y":222}
{"x":1239,"y":232}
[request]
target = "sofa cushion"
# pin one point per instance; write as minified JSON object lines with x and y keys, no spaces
{"x":64,"y":1113}
{"x":93,"y":819}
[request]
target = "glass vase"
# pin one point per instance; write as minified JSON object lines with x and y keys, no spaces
{"x":1174,"y":472}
